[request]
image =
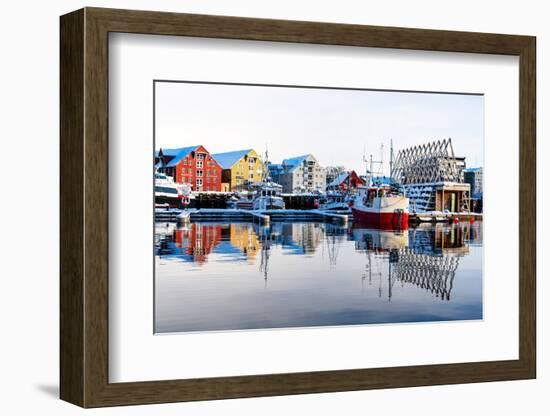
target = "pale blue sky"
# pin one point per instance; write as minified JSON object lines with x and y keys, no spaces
{"x":335,"y":125}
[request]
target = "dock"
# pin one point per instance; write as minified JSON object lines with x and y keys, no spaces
{"x":434,"y":216}
{"x":167,"y":215}
{"x":264,"y":217}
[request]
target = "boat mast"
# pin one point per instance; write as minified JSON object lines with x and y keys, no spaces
{"x":370,"y":170}
{"x":265,"y":169}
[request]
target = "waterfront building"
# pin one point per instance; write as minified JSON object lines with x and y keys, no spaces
{"x":345,"y":181}
{"x":240,"y":168}
{"x":191,"y":165}
{"x":276,"y":171}
{"x":432,"y":177}
{"x":299,"y":174}
{"x":474,"y":176}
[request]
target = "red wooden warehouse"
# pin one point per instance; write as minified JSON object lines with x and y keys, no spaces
{"x":193,"y":165}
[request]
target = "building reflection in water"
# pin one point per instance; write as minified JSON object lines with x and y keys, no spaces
{"x":195,"y":241}
{"x":227,"y":276}
{"x":426,"y":256}
{"x":192,"y":243}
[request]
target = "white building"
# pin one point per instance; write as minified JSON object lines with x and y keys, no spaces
{"x":299,"y":174}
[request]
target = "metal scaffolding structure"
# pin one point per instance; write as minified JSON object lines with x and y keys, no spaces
{"x":427,"y":163}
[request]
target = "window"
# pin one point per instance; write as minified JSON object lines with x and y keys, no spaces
{"x":199,"y":172}
{"x":199,"y":164}
{"x":200,"y":156}
{"x":199,"y":182}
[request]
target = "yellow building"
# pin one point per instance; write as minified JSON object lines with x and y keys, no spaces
{"x":240,"y":168}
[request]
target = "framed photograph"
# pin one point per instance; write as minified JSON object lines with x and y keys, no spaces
{"x":255,"y":207}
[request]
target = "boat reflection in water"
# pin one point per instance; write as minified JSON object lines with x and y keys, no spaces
{"x":212,"y":276}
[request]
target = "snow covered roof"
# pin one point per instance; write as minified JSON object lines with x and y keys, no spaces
{"x":178,"y":154}
{"x":228,"y":159}
{"x":293,"y":162}
{"x":382,"y":180}
{"x":339,"y":179}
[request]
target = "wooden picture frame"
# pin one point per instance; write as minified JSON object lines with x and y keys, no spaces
{"x":84,"y":207}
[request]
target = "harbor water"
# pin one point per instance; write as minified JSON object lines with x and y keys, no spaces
{"x":242,"y":276}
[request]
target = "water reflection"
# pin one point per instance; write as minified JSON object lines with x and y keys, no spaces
{"x":208,"y":275}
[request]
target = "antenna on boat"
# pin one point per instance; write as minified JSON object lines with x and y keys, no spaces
{"x":382,"y":159}
{"x":391,"y":158}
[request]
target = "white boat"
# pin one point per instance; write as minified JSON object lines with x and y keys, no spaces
{"x":268,"y":196}
{"x":169,"y":194}
{"x":267,"y":193}
{"x":241,"y":200}
{"x":335,"y":202}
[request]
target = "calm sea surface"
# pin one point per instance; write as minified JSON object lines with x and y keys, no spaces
{"x":216,"y":276}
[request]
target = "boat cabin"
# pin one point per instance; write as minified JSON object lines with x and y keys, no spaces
{"x":367,"y":195}
{"x":269,"y":192}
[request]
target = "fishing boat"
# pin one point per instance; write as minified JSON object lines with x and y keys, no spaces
{"x":380,"y":206}
{"x":268,"y":196}
{"x":264,"y":195}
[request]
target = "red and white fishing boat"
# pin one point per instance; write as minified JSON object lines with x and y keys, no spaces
{"x":381,"y":207}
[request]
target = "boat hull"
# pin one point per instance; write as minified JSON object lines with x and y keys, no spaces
{"x":265,"y":203}
{"x":398,"y":220}
{"x":171,"y":201}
